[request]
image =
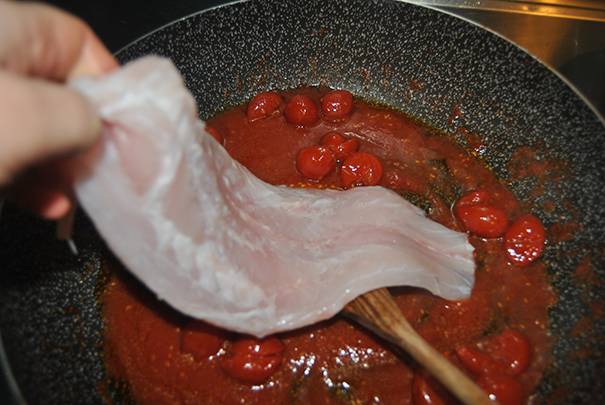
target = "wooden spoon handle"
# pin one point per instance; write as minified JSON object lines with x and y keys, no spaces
{"x":378,"y":312}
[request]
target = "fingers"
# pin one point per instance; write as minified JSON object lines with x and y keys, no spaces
{"x":43,"y":190}
{"x":42,"y":41}
{"x":40,"y":121}
{"x":94,"y":59}
{"x":42,"y":198}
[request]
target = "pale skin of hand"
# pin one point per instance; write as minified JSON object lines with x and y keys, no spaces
{"x":41,"y":119}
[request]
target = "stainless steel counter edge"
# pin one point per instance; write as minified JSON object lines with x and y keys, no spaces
{"x":581,"y":10}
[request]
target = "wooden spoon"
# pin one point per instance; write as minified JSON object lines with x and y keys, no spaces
{"x":378,"y":312}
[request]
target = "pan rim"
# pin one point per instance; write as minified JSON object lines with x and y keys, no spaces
{"x":7,"y":372}
{"x":9,"y":377}
{"x":551,"y":68}
{"x":600,"y":117}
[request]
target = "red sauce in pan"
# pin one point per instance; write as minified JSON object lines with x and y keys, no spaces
{"x":499,"y":336}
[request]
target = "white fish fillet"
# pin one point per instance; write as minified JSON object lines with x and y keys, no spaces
{"x":219,"y":244}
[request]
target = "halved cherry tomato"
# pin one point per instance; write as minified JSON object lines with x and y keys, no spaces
{"x":477,"y":362}
{"x":483,"y":220}
{"x":361,"y":169}
{"x":315,"y":162}
{"x":337,"y":104}
{"x":263,"y":105}
{"x":427,"y":391}
{"x":524,"y":240}
{"x":502,"y":388}
{"x":341,"y":146}
{"x":510,"y":348}
{"x":215,"y":134}
{"x":201,"y":340}
{"x":253,"y":361}
{"x":301,"y":111}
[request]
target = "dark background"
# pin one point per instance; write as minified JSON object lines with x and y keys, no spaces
{"x":119,"y":22}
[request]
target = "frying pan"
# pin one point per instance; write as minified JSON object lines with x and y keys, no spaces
{"x":414,"y":59}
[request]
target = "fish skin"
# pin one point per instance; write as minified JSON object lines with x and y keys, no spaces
{"x":217,"y":243}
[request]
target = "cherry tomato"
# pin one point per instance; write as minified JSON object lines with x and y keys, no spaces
{"x":473,"y":198}
{"x":524,"y":240}
{"x":332,"y":140}
{"x":315,"y":162}
{"x":361,"y":169}
{"x":510,"y":348}
{"x":478,"y":216}
{"x":253,"y":361}
{"x":346,"y":149}
{"x":337,"y":104}
{"x":502,"y":388}
{"x":477,"y":362}
{"x":426,"y":391}
{"x":201,"y":340}
{"x":215,"y":134}
{"x":263,"y":105}
{"x":483,"y":220}
{"x":339,"y":145}
{"x":301,"y":111}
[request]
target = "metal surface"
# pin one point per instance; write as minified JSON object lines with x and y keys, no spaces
{"x":575,"y":9}
{"x":565,"y":40}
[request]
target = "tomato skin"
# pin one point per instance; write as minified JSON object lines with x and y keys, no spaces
{"x":339,"y":145}
{"x":477,"y":362}
{"x":201,"y":340}
{"x":346,"y":149}
{"x":263,"y":105}
{"x":483,"y":220}
{"x":215,"y":134}
{"x":361,"y":169}
{"x":474,"y":211}
{"x":472,"y":198}
{"x":426,"y":391}
{"x":315,"y":162}
{"x":502,"y":388}
{"x":253,"y":361}
{"x":337,"y":105}
{"x":301,"y":111}
{"x":332,"y":140}
{"x":524,"y":240}
{"x":511,"y":349}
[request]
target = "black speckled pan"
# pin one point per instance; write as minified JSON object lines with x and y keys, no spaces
{"x":411,"y":58}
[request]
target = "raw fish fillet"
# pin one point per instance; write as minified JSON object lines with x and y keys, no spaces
{"x":218,"y":244}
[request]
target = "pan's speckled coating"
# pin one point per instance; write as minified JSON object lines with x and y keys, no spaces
{"x":413,"y":59}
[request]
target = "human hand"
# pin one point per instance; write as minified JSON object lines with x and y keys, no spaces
{"x":41,"y":120}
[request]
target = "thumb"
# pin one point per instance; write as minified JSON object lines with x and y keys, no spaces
{"x":41,"y":120}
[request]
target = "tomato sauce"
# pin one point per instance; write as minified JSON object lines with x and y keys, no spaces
{"x":499,"y":336}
